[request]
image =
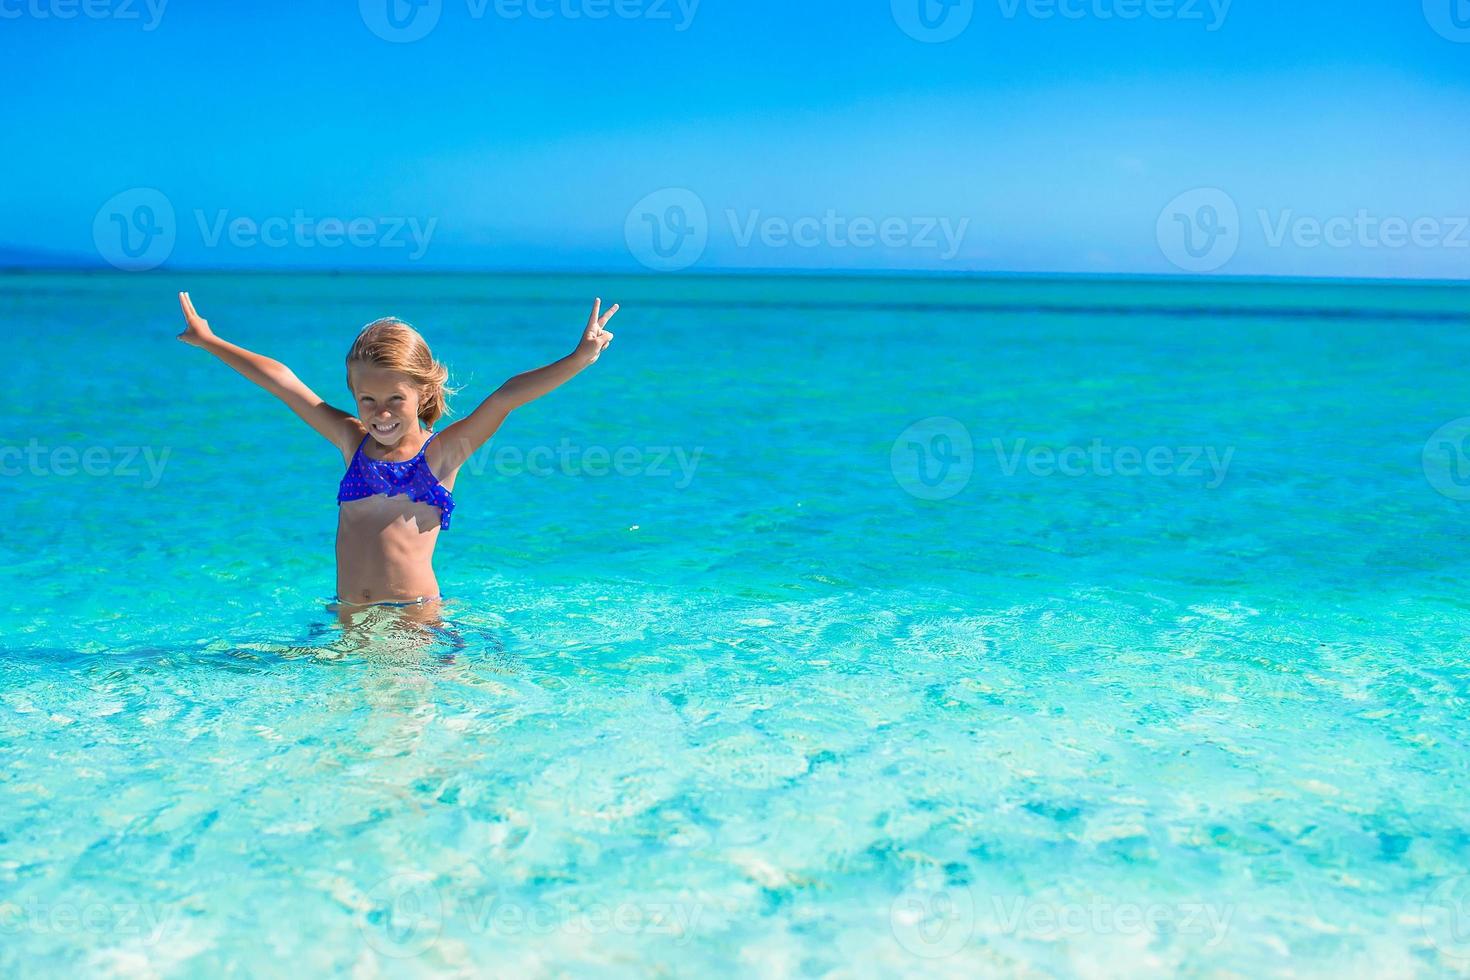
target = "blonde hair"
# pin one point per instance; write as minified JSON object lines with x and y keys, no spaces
{"x":393,"y":344}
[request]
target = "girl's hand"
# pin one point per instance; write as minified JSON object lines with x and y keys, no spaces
{"x":594,"y":338}
{"x":196,"y":330}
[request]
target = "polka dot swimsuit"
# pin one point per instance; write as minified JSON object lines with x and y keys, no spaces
{"x":367,"y":477}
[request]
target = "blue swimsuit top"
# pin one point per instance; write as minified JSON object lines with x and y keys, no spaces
{"x":367,"y":477}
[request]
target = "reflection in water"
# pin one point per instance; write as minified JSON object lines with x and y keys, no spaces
{"x":418,"y":635}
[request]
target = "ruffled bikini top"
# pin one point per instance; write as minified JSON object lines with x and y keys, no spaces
{"x":368,"y":477}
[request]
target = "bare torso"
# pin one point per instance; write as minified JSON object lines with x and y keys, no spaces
{"x":385,"y":547}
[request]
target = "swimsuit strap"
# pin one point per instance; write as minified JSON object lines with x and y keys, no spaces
{"x":416,"y":455}
{"x":356,"y":453}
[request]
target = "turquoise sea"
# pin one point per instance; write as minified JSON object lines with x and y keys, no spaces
{"x":825,"y":627}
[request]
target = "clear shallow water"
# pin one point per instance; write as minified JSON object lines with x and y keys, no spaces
{"x":802,"y":720}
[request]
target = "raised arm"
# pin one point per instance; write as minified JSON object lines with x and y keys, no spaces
{"x":339,"y":428}
{"x":461,"y":440}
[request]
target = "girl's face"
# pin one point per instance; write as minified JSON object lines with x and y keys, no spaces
{"x":387,"y":402}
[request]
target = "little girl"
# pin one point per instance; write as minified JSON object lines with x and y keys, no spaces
{"x":397,"y":492}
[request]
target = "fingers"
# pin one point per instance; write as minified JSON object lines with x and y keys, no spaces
{"x":188,"y":306}
{"x":599,"y":319}
{"x":596,"y":322}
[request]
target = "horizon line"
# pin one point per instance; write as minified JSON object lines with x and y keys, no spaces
{"x":757,"y":273}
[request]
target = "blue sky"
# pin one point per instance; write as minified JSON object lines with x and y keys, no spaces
{"x":1140,"y":136}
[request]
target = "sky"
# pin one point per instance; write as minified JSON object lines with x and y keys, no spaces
{"x":1159,"y":137}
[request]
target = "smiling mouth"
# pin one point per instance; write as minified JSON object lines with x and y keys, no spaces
{"x":388,"y":429}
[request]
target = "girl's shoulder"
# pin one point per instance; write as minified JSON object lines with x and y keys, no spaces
{"x":354,"y":434}
{"x":436,"y":454}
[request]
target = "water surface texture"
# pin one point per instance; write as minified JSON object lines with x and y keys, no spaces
{"x":824,"y":627}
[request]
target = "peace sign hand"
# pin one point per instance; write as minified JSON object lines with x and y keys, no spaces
{"x":595,"y":339}
{"x":196,"y":331}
